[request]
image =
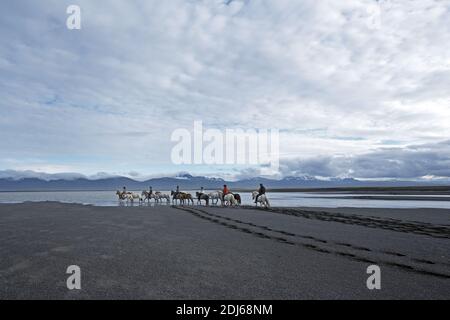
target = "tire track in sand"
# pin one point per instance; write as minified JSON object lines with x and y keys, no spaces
{"x":315,"y":244}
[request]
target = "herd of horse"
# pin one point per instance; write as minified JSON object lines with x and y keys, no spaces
{"x":182,"y":198}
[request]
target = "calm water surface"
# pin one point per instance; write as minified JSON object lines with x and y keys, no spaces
{"x":281,"y":199}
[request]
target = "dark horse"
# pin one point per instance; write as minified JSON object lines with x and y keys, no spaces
{"x":202,"y":196}
{"x":237,"y":196}
{"x":182,"y":196}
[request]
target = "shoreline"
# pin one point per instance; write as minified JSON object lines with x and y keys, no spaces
{"x":242,"y":206}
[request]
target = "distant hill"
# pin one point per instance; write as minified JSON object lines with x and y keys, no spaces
{"x":187,"y":182}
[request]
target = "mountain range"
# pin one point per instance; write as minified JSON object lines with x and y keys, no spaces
{"x":189,"y":182}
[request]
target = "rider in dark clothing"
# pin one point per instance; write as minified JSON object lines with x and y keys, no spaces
{"x":124,"y":193}
{"x":261,"y":191}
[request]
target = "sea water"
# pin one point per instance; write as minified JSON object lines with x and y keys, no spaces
{"x":277,"y":199}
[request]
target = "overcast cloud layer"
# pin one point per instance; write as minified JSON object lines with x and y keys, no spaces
{"x":358,"y":88}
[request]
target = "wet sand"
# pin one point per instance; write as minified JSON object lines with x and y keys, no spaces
{"x":169,"y":252}
{"x":411,"y":190}
{"x":392,"y":197}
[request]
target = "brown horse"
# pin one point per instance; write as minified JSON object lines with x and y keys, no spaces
{"x":182,"y":196}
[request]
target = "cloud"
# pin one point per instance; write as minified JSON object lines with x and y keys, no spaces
{"x":18,"y":175}
{"x":107,"y":97}
{"x":412,"y":162}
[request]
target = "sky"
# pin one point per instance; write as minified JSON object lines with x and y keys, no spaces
{"x":356,"y":88}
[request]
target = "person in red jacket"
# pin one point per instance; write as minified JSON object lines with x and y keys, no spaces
{"x":225,"y":190}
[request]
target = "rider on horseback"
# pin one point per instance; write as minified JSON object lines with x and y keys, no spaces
{"x":124,"y":191}
{"x":261,"y":191}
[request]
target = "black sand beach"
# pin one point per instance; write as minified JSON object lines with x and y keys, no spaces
{"x":231,"y":253}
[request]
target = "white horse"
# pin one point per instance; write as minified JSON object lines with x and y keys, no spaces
{"x":132,"y":196}
{"x":229,"y":200}
{"x":162,"y":196}
{"x":157,"y":196}
{"x":262,"y":199}
{"x":215,"y":197}
{"x":149,"y":196}
{"x":121,"y":195}
{"x":128,"y":196}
